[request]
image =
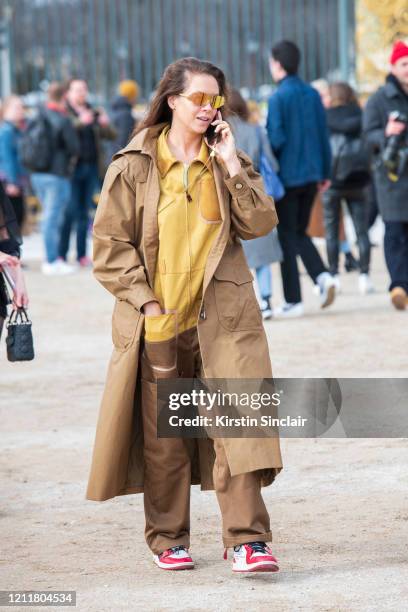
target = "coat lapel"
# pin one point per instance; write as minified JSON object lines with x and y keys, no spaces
{"x":146,"y":143}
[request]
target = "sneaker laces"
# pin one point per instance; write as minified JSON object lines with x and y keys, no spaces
{"x":177,"y":548}
{"x":259,"y":547}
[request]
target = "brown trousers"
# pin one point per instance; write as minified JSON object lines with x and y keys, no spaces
{"x":167,"y":478}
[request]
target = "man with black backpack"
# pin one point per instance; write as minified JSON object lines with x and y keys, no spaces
{"x":49,"y":149}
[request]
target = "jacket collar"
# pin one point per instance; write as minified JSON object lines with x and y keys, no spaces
{"x":166,"y":160}
{"x":289,"y":79}
{"x":146,"y":142}
{"x":392,"y":87}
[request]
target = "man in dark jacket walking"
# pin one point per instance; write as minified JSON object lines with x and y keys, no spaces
{"x":385,"y":126}
{"x":297,"y":131}
{"x":53,"y":187}
{"x":121,"y":115}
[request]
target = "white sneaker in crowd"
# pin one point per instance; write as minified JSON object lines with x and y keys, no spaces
{"x":56,"y":268}
{"x":290,"y":310}
{"x":365,"y":286}
{"x":327,"y":286}
{"x":337,"y":283}
{"x":266,"y":309}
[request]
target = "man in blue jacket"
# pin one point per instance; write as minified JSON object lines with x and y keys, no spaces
{"x":297,"y":131}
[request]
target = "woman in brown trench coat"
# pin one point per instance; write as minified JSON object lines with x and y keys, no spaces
{"x":167,"y":245}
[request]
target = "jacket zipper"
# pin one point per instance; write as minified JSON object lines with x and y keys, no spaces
{"x":186,"y":167}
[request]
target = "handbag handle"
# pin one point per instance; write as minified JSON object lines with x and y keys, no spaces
{"x":18,"y":313}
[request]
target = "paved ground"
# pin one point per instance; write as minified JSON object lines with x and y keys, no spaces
{"x":339,"y":509}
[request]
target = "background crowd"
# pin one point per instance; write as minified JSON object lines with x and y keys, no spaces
{"x":320,"y":154}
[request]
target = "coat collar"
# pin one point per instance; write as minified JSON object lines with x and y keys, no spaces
{"x":392,"y":88}
{"x":146,"y":142}
{"x":165,"y":158}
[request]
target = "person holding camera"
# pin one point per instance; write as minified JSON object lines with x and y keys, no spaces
{"x":385,"y":127}
{"x":92,"y":127}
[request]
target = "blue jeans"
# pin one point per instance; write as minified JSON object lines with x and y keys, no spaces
{"x":264,"y":278}
{"x":84,"y":183}
{"x":54,"y":193}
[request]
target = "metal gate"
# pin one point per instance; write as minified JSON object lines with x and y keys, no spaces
{"x":104,"y":41}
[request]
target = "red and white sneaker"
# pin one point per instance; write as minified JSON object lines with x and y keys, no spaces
{"x":254,"y":557}
{"x":175,"y":558}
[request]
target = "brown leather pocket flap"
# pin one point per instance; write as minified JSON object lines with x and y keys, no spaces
{"x":235,"y":274}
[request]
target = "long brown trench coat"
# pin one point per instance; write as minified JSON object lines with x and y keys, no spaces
{"x":232,"y":339}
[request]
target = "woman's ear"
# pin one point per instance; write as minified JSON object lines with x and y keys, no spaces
{"x":171,"y":101}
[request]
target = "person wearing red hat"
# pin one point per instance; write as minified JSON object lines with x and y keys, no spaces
{"x":385,"y":124}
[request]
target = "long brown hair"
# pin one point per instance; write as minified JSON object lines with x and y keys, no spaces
{"x":172,"y":83}
{"x":341,"y":94}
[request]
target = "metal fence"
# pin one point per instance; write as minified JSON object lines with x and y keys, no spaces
{"x":104,"y":41}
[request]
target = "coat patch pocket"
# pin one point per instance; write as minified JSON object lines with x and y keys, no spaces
{"x":235,"y":299}
{"x":207,"y":199}
{"x":125,"y":319}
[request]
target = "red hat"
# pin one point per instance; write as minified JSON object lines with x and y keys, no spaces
{"x":400,"y":49}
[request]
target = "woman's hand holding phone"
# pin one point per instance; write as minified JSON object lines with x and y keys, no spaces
{"x":224,"y":145}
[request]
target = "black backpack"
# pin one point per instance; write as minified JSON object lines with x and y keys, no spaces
{"x":350,"y":161}
{"x":37,"y":144}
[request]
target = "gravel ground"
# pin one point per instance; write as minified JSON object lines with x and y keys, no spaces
{"x":339,"y":509}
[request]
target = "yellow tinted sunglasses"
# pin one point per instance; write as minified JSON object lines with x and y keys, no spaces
{"x":202,"y":99}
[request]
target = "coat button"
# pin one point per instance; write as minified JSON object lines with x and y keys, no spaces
{"x":202,"y":313}
{"x":238,"y":185}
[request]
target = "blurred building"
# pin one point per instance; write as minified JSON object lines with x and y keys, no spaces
{"x":107,"y":40}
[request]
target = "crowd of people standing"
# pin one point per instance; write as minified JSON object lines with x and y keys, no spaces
{"x":324,"y":149}
{"x":61,"y":154}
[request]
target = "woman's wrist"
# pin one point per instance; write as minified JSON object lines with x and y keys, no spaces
{"x":233,"y":165}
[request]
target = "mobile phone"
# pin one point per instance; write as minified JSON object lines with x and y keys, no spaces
{"x":212,"y":137}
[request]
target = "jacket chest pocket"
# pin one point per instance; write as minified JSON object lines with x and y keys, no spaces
{"x":125,"y":319}
{"x":207,"y":200}
{"x":236,"y":303}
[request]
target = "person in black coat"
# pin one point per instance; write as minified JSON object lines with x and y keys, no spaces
{"x":121,"y":115}
{"x":10,"y":241}
{"x":344,"y":118}
{"x":385,"y":121}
